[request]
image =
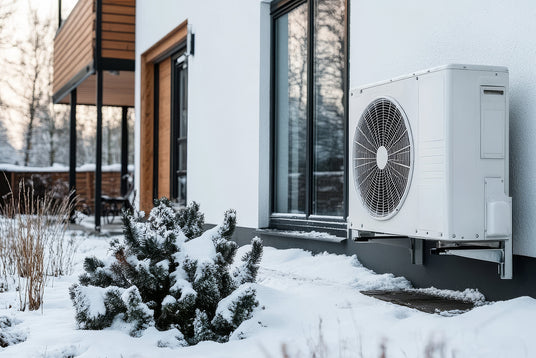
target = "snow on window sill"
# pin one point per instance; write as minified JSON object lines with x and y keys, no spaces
{"x":311,"y":235}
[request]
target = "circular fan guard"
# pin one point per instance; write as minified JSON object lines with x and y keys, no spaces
{"x":382,"y":157}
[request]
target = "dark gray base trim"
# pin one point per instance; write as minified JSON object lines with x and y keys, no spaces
{"x":447,"y":272}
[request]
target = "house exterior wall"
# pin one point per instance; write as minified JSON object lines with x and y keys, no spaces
{"x":392,"y":38}
{"x":223,"y":99}
{"x":229,"y":88}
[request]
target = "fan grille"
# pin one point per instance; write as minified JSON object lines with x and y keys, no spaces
{"x":382,"y":157}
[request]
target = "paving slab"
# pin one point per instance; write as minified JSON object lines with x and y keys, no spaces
{"x":88,"y":225}
{"x":421,"y":301}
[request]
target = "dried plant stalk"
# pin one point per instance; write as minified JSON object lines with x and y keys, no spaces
{"x":33,"y":241}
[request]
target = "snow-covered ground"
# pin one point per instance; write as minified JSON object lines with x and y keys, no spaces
{"x":308,"y":304}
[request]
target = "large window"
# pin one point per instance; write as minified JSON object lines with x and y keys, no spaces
{"x":308,"y":98}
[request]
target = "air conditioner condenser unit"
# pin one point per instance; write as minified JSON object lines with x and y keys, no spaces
{"x":429,"y":159}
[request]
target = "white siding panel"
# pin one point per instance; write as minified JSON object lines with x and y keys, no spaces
{"x":223,"y":96}
{"x":391,"y":38}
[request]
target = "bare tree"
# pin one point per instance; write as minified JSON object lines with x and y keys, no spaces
{"x":6,"y":9}
{"x":50,"y":138}
{"x":33,"y":70}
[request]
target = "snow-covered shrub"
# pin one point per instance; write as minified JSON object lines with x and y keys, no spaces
{"x":168,"y":273}
{"x":9,"y":335}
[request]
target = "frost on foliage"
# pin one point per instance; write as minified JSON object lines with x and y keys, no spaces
{"x":172,"y":338}
{"x":9,"y":333}
{"x":168,"y":275}
{"x":234,"y":309}
{"x":96,"y":307}
{"x":191,"y":220}
{"x":247,"y":272}
{"x":137,"y":312}
{"x":202,"y":327}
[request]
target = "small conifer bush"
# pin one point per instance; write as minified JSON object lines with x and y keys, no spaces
{"x":168,"y":273}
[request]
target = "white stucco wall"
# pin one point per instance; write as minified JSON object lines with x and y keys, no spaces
{"x":223,"y":99}
{"x":229,"y":84}
{"x":391,"y":38}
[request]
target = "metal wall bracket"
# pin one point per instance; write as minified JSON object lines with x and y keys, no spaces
{"x":414,"y":246}
{"x":417,"y":251}
{"x":501,"y":255}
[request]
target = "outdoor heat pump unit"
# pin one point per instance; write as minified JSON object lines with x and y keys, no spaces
{"x":429,"y":160}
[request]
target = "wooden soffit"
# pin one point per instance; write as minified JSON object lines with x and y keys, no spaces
{"x":118,"y":89}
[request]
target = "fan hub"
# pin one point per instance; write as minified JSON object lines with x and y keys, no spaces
{"x":381,"y":157}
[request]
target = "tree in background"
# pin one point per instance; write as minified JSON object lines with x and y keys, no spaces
{"x":32,"y":70}
{"x":50,"y":141}
{"x":7,"y":150}
{"x":45,"y":124}
{"x":111,"y":149}
{"x":9,"y":154}
{"x":6,"y":9}
{"x":28,"y":63}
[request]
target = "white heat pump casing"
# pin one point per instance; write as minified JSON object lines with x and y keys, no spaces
{"x":458,"y":189}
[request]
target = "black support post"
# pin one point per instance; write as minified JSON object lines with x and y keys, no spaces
{"x":124,"y":150}
{"x":98,"y":160}
{"x":72,"y":148}
{"x":59,"y":14}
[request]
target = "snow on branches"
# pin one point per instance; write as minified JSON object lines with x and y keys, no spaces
{"x":169,"y":274}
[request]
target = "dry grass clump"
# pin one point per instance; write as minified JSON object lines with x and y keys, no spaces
{"x":318,"y":348}
{"x":32,"y":241}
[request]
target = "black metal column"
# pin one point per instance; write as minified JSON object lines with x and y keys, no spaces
{"x":59,"y":14}
{"x":72,"y":148}
{"x":124,"y":150}
{"x":98,"y":160}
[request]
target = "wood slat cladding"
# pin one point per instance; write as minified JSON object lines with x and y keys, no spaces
{"x":146,"y":135}
{"x":164,"y":127}
{"x":162,"y":48}
{"x":118,"y":29}
{"x":73,"y":45}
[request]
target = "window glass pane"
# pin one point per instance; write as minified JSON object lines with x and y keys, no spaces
{"x":183,"y":126}
{"x":180,"y":131}
{"x":290,"y":110}
{"x":181,"y":199}
{"x":182,"y":154}
{"x":328,"y":130}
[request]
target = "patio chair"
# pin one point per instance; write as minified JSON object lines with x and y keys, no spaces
{"x":112,"y":205}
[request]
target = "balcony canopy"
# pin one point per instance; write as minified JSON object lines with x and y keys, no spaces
{"x":75,"y":53}
{"x":94,"y":65}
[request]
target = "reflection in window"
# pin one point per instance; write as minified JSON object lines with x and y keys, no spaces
{"x":291,"y":110}
{"x":328,"y":127}
{"x":180,"y":131}
{"x":309,"y":113}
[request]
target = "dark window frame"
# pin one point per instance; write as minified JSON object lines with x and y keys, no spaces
{"x":174,"y":53}
{"x":307,"y":222}
{"x":175,"y":123}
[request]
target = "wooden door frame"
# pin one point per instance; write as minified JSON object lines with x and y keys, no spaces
{"x":165,"y":47}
